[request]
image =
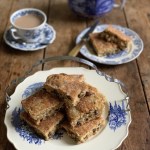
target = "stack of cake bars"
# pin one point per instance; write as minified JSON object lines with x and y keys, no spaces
{"x":41,"y":113}
{"x":81,"y":103}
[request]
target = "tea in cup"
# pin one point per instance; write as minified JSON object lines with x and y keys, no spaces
{"x":27,"y":24}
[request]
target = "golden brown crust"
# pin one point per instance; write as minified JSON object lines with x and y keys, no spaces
{"x":83,"y":132}
{"x":47,"y":127}
{"x":117,"y":37}
{"x":89,"y":107}
{"x":102,"y":47}
{"x":84,"y":105}
{"x":117,"y":33}
{"x":40,"y":105}
{"x":62,"y":77}
{"x":69,"y":88}
{"x":88,"y":103}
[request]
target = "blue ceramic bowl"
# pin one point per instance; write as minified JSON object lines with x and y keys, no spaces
{"x":92,"y":8}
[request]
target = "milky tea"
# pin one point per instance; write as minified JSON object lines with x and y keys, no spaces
{"x":28,"y":21}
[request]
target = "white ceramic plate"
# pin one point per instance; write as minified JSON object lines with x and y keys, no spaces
{"x":48,"y":36}
{"x":122,"y":56}
{"x":110,"y":138}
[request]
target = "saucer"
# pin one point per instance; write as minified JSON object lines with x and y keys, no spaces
{"x":48,"y":36}
{"x":120,"y":57}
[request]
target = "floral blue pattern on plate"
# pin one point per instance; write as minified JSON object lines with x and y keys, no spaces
{"x":122,"y":56}
{"x":48,"y":36}
{"x":32,"y":89}
{"x":117,"y":116}
{"x":26,"y":132}
{"x":20,"y":126}
{"x":23,"y":129}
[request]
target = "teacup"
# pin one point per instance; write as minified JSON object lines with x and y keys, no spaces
{"x":93,"y":8}
{"x":27,"y":24}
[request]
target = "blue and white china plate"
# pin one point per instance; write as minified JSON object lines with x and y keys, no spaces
{"x":110,"y":138}
{"x":48,"y":36}
{"x":119,"y":58}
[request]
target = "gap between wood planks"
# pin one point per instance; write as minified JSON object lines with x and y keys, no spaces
{"x":10,"y":9}
{"x":138,"y":68}
{"x":48,"y":13}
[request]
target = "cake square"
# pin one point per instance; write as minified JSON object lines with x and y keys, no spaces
{"x":102,"y":47}
{"x":113,"y":35}
{"x":40,"y":105}
{"x":82,"y":133}
{"x":47,"y":127}
{"x":90,"y":107}
{"x":110,"y":41}
{"x":69,"y":88}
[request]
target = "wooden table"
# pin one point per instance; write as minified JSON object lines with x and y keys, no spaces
{"x":135,"y":74}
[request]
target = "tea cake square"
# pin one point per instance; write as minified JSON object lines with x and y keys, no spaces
{"x":102,"y":47}
{"x":40,"y":105}
{"x":47,"y":127}
{"x":90,"y":107}
{"x":113,"y":35}
{"x":68,"y":87}
{"x":82,"y":133}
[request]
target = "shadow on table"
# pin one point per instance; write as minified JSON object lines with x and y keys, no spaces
{"x":61,"y":11}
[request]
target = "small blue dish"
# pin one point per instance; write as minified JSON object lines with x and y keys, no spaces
{"x":122,"y":56}
{"x":47,"y":36}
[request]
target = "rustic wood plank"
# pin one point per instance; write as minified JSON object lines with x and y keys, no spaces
{"x":67,"y":26}
{"x":128,"y":73}
{"x":141,"y":11}
{"x":135,"y":11}
{"x":15,"y":63}
{"x":4,"y":15}
{"x":4,"y":21}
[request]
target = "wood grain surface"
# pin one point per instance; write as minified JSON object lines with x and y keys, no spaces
{"x":136,"y":74}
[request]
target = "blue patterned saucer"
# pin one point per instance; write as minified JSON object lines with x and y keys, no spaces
{"x":119,"y":58}
{"x":48,"y":36}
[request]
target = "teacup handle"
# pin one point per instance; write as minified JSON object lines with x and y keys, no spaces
{"x":13,"y":32}
{"x":121,"y":5}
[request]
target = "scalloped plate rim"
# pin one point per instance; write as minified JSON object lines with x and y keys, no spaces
{"x":38,"y":72}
